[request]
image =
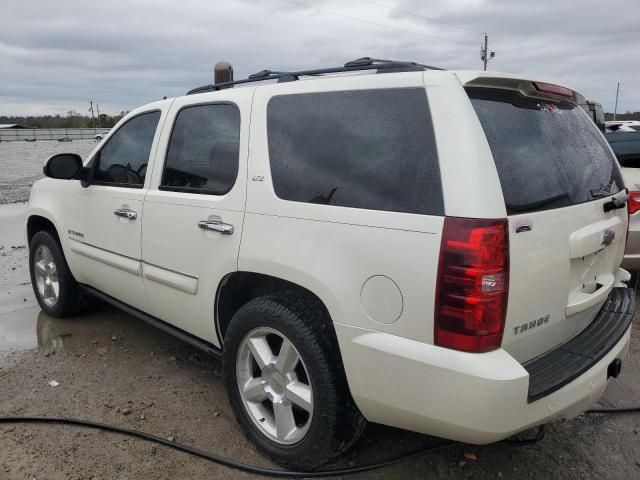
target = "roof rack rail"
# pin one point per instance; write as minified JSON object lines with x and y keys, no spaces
{"x":360,"y":64}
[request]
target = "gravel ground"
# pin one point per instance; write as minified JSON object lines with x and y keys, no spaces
{"x":113,"y":368}
{"x":21,"y":164}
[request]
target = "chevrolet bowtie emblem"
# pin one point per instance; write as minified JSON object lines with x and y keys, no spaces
{"x":607,"y":236}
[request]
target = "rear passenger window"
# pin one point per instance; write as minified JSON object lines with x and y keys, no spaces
{"x":203,"y":150}
{"x":370,"y":149}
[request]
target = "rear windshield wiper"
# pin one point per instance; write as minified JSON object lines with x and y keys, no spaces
{"x":602,"y":191}
{"x":524,"y":207}
{"x":615,"y":203}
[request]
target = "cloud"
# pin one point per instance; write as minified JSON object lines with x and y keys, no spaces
{"x":56,"y":56}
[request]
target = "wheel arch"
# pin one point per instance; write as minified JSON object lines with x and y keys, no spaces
{"x":238,"y":288}
{"x":37,"y":222}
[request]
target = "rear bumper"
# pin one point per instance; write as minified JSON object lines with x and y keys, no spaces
{"x":557,"y":368}
{"x":473,"y":398}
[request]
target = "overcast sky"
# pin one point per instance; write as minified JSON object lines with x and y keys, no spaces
{"x":56,"y":55}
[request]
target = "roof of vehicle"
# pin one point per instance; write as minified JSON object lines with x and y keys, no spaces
{"x":374,"y":65}
{"x":368,"y":66}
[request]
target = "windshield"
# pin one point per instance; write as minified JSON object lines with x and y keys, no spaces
{"x":548,"y":154}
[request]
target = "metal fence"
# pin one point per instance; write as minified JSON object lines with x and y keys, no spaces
{"x":57,"y":134}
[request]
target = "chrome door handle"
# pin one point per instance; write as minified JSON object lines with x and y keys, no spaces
{"x":125,"y":213}
{"x":214,"y":226}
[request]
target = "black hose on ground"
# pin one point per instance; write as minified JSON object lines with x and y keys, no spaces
{"x":614,"y":410}
{"x":269,"y":472}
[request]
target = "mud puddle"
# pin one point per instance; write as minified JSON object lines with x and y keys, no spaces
{"x":30,"y":328}
{"x":12,"y":218}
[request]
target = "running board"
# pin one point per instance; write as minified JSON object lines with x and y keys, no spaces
{"x":155,"y":322}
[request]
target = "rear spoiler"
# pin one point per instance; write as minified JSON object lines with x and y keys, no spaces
{"x":530,"y":88}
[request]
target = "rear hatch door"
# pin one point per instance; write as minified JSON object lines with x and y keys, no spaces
{"x":557,"y":174}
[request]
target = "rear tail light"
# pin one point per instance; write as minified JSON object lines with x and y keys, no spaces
{"x":554,"y":89}
{"x":473,"y":284}
{"x":633,"y":203}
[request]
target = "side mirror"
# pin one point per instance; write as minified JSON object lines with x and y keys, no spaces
{"x":63,"y":166}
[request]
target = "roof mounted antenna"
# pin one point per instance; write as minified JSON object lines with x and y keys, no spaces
{"x":223,"y":73}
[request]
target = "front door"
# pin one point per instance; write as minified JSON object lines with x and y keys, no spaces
{"x":104,"y":229}
{"x":194,"y":211}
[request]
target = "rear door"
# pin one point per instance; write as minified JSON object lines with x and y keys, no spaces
{"x":194,"y":211}
{"x":557,"y":174}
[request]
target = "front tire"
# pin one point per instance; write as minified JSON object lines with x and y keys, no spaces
{"x":56,"y":290}
{"x":285,"y":381}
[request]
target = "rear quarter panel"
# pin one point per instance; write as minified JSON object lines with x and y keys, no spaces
{"x":331,"y":250}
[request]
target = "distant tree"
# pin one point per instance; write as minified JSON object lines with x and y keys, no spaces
{"x":72,"y":119}
{"x":623,"y":116}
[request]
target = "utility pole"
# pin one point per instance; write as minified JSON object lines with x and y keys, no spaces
{"x":98,"y":109}
{"x":93,"y":120}
{"x":615,"y":110}
{"x":485,"y":55}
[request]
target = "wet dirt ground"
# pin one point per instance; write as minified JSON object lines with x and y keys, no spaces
{"x":21,"y":164}
{"x":115,"y":369}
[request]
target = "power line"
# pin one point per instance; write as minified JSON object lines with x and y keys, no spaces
{"x":423,"y":17}
{"x":357,"y":19}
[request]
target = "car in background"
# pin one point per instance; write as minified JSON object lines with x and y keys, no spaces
{"x":622,"y":126}
{"x":595,"y":112}
{"x":626,"y":146}
{"x":100,"y":136}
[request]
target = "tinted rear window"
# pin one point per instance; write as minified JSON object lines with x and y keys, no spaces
{"x":369,"y":149}
{"x":548,"y":155}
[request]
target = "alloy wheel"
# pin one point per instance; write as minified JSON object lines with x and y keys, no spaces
{"x":274,"y":385}
{"x":46,"y":275}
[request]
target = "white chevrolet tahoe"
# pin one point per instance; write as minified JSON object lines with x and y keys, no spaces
{"x":433,"y":250}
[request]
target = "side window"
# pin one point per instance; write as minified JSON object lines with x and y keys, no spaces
{"x":203,"y":151}
{"x":123,"y":160}
{"x":372,"y":149}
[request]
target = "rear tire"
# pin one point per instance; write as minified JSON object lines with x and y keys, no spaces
{"x":57,"y":292}
{"x":323,"y":419}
